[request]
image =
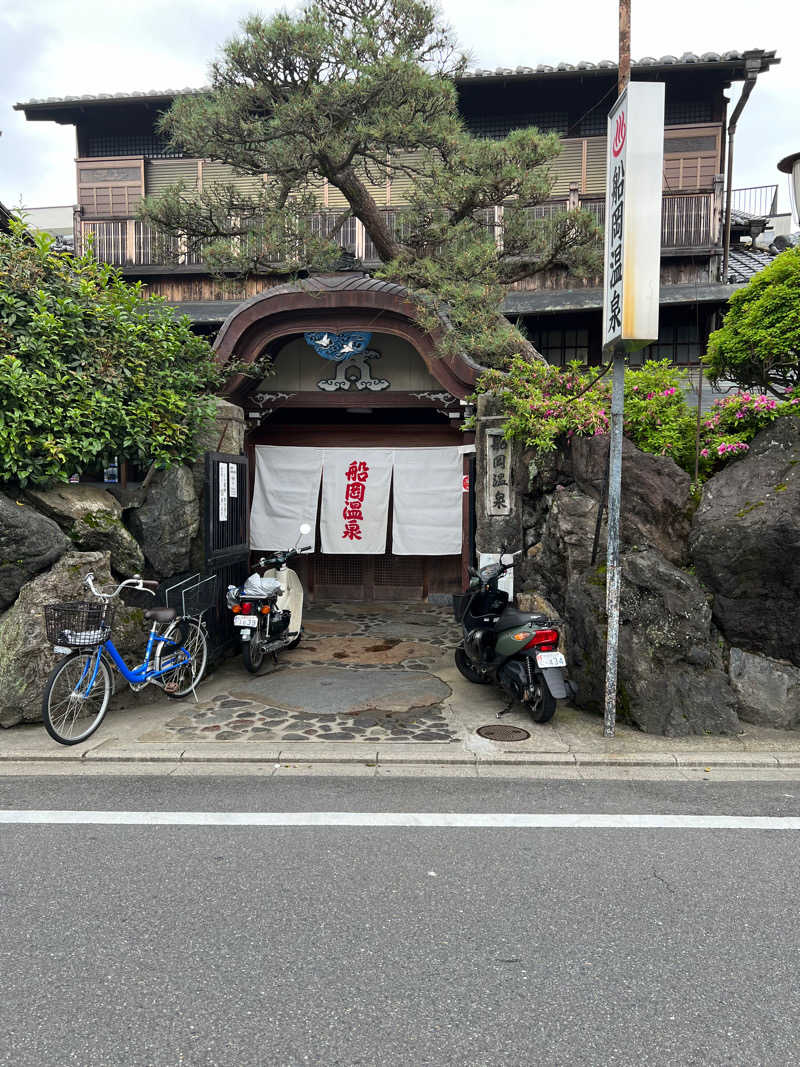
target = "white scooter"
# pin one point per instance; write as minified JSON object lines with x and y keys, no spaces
{"x":268,"y":608}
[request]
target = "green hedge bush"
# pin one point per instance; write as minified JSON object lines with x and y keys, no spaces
{"x":90,"y":369}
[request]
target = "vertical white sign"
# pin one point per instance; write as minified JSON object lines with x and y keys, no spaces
{"x":632,"y":252}
{"x":233,"y":485}
{"x":223,"y":491}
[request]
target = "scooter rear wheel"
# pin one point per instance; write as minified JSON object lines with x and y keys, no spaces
{"x":251,"y":653}
{"x":543,"y":708}
{"x":465,"y":667}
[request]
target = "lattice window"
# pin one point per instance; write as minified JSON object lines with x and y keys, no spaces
{"x":682,"y":112}
{"x":679,"y":342}
{"x":398,"y":570}
{"x":128,"y":144}
{"x":499,"y":126}
{"x":560,"y":347}
{"x":338,"y":570}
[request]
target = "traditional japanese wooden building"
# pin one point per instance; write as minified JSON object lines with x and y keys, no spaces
{"x":387,"y":394}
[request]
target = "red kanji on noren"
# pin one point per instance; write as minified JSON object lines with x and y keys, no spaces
{"x":357,"y":472}
{"x":355,"y":491}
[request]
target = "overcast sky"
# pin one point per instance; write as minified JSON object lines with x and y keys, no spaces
{"x":70,"y":47}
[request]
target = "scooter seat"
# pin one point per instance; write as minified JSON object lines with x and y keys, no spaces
{"x":511,"y":617}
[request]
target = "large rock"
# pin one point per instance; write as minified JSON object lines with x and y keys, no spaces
{"x":566,"y":546}
{"x":224,"y":432}
{"x":29,"y":542}
{"x":656,"y":509}
{"x":768,"y":690}
{"x":26,"y":656}
{"x":745,"y":543}
{"x":671,"y":673}
{"x":166,"y":520}
{"x":92,"y":519}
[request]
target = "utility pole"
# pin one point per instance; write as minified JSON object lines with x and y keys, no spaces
{"x":624,"y":45}
{"x":615,"y":448}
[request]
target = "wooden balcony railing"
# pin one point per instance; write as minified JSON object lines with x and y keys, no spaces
{"x":689,"y":221}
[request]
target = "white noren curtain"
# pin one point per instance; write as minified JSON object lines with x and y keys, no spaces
{"x":428,"y":490}
{"x":285,"y":495}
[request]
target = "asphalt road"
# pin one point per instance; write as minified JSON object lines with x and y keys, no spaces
{"x":239,"y":946}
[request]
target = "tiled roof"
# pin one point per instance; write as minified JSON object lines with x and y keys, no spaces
{"x":688,"y":59}
{"x":744,"y":263}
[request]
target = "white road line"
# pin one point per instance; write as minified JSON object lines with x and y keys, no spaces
{"x":422,"y":820}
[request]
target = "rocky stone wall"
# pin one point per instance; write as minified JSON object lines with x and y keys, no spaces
{"x":710,"y":609}
{"x":50,"y":538}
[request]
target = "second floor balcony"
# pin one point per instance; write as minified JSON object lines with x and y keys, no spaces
{"x":691,"y":224}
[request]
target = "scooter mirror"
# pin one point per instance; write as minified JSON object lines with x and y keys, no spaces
{"x":305,"y":529}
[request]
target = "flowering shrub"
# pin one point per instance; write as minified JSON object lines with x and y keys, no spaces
{"x":546,"y":405}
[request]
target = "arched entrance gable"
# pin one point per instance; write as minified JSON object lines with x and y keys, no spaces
{"x":336,"y":303}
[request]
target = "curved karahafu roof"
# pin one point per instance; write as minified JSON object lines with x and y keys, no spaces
{"x":344,"y":300}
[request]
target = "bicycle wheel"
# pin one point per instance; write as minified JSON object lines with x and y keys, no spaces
{"x":191,"y":635}
{"x":75,"y":698}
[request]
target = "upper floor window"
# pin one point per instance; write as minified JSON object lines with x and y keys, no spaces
{"x":561,"y":347}
{"x":110,"y":145}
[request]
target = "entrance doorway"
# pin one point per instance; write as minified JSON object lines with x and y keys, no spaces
{"x":366,"y":577}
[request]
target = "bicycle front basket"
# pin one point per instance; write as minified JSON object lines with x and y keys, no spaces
{"x":78,"y":625}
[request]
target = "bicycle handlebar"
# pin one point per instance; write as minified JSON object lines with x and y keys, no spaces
{"x":136,"y":582}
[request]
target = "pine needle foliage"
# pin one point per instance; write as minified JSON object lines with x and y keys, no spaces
{"x":350,"y":93}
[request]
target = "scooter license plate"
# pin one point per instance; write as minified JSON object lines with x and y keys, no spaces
{"x":550,"y":659}
{"x":250,"y":621}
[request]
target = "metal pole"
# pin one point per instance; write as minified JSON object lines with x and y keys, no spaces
{"x":726,"y":250}
{"x":615,"y":450}
{"x":612,"y":557}
{"x":699,"y":413}
{"x":752,"y":67}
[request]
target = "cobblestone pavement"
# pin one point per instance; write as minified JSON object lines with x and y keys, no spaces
{"x":391,"y":636}
{"x":361,"y":673}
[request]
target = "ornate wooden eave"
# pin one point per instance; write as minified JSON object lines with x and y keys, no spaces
{"x":335,"y":302}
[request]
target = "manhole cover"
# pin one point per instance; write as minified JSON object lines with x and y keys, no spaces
{"x":503,"y":733}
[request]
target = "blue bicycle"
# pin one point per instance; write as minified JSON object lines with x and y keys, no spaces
{"x":79,"y":688}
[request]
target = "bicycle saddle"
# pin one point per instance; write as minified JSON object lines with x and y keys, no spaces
{"x":161,"y":614}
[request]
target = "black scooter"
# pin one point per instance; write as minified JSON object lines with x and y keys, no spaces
{"x":515,"y":649}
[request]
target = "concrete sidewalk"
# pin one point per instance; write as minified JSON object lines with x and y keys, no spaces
{"x":373,"y":688}
{"x":140,"y":734}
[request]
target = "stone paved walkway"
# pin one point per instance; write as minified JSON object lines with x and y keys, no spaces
{"x":361,"y":673}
